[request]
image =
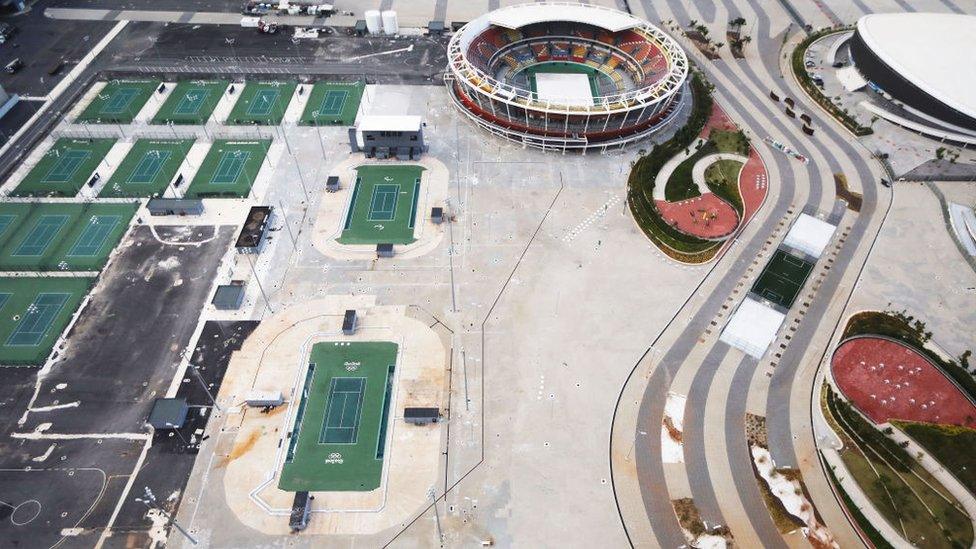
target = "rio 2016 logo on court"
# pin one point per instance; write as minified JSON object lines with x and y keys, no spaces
{"x":334,"y":457}
{"x":352,"y":366}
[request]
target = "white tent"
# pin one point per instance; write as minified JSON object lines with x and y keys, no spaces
{"x":752,"y":327}
{"x":809,"y":235}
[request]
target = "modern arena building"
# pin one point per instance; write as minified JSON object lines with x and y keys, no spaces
{"x":566,"y":76}
{"x":924,"y":61}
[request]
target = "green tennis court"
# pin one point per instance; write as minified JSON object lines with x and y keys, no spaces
{"x":42,"y":233}
{"x":65,"y":168}
{"x":389,"y":213}
{"x":191,"y":102}
{"x":338,"y":440}
{"x":262,"y":103}
{"x":229,"y":169}
{"x":96,"y":232}
{"x":119,"y":101}
{"x":782,"y":278}
{"x":62,"y":237}
{"x":34,"y":313}
{"x":147,"y":169}
{"x":333,"y":103}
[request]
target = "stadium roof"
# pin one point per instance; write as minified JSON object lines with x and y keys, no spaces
{"x":518,"y":16}
{"x":932,"y":50}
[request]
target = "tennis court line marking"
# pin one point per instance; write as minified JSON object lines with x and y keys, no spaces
{"x":34,"y":318}
{"x":6,"y":220}
{"x":202,"y":94}
{"x":388,"y":215}
{"x":154,"y":161}
{"x":329,"y":95}
{"x":263,"y":94}
{"x":48,"y":237}
{"x":103,"y":235}
{"x":239,"y":157}
{"x":4,"y":296}
{"x":73,"y":160}
{"x":332,"y":392}
{"x":127,"y":95}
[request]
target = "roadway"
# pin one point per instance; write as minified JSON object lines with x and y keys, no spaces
{"x":721,"y":383}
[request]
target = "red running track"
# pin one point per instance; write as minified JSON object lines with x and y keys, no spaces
{"x":887,"y":380}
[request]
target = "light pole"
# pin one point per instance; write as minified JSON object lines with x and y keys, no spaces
{"x":149,"y":500}
{"x":196,"y":373}
{"x":254,"y":274}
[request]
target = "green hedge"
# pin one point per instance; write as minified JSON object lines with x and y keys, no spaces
{"x":814,"y":91}
{"x":681,"y":185}
{"x":640,"y":184}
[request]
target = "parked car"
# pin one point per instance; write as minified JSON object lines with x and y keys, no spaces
{"x":13,"y":66}
{"x":6,"y":31}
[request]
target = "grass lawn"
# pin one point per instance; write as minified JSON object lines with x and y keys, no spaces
{"x":730,"y":142}
{"x":680,"y":185}
{"x":722,"y":178}
{"x":952,"y":446}
{"x":33,"y":313}
{"x":900,"y":489}
{"x":65,"y":168}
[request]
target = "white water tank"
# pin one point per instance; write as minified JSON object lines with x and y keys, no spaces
{"x":390,"y":22}
{"x":373,"y":22}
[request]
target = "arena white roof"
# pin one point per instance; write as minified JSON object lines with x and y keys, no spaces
{"x":809,"y":235}
{"x":514,"y":17}
{"x":567,"y":88}
{"x":389,"y":123}
{"x":752,"y":328}
{"x":932,"y":50}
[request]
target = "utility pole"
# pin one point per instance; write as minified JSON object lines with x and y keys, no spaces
{"x":149,"y":500}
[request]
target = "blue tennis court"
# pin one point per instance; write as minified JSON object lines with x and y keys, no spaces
{"x":41,"y":235}
{"x":120,"y":100}
{"x":383,"y":203}
{"x":341,"y":424}
{"x":191,"y":101}
{"x":6,"y":220}
{"x":38,"y":319}
{"x":4,"y":296}
{"x":263,"y":102}
{"x":332,"y":103}
{"x":230,"y":167}
{"x":91,"y":240}
{"x":68,"y":163}
{"x":148,"y":167}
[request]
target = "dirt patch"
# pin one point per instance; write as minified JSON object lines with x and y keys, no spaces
{"x":673,"y":432}
{"x":241,"y":448}
{"x":852,"y":198}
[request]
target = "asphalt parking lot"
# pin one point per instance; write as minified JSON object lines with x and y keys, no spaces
{"x":41,"y":43}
